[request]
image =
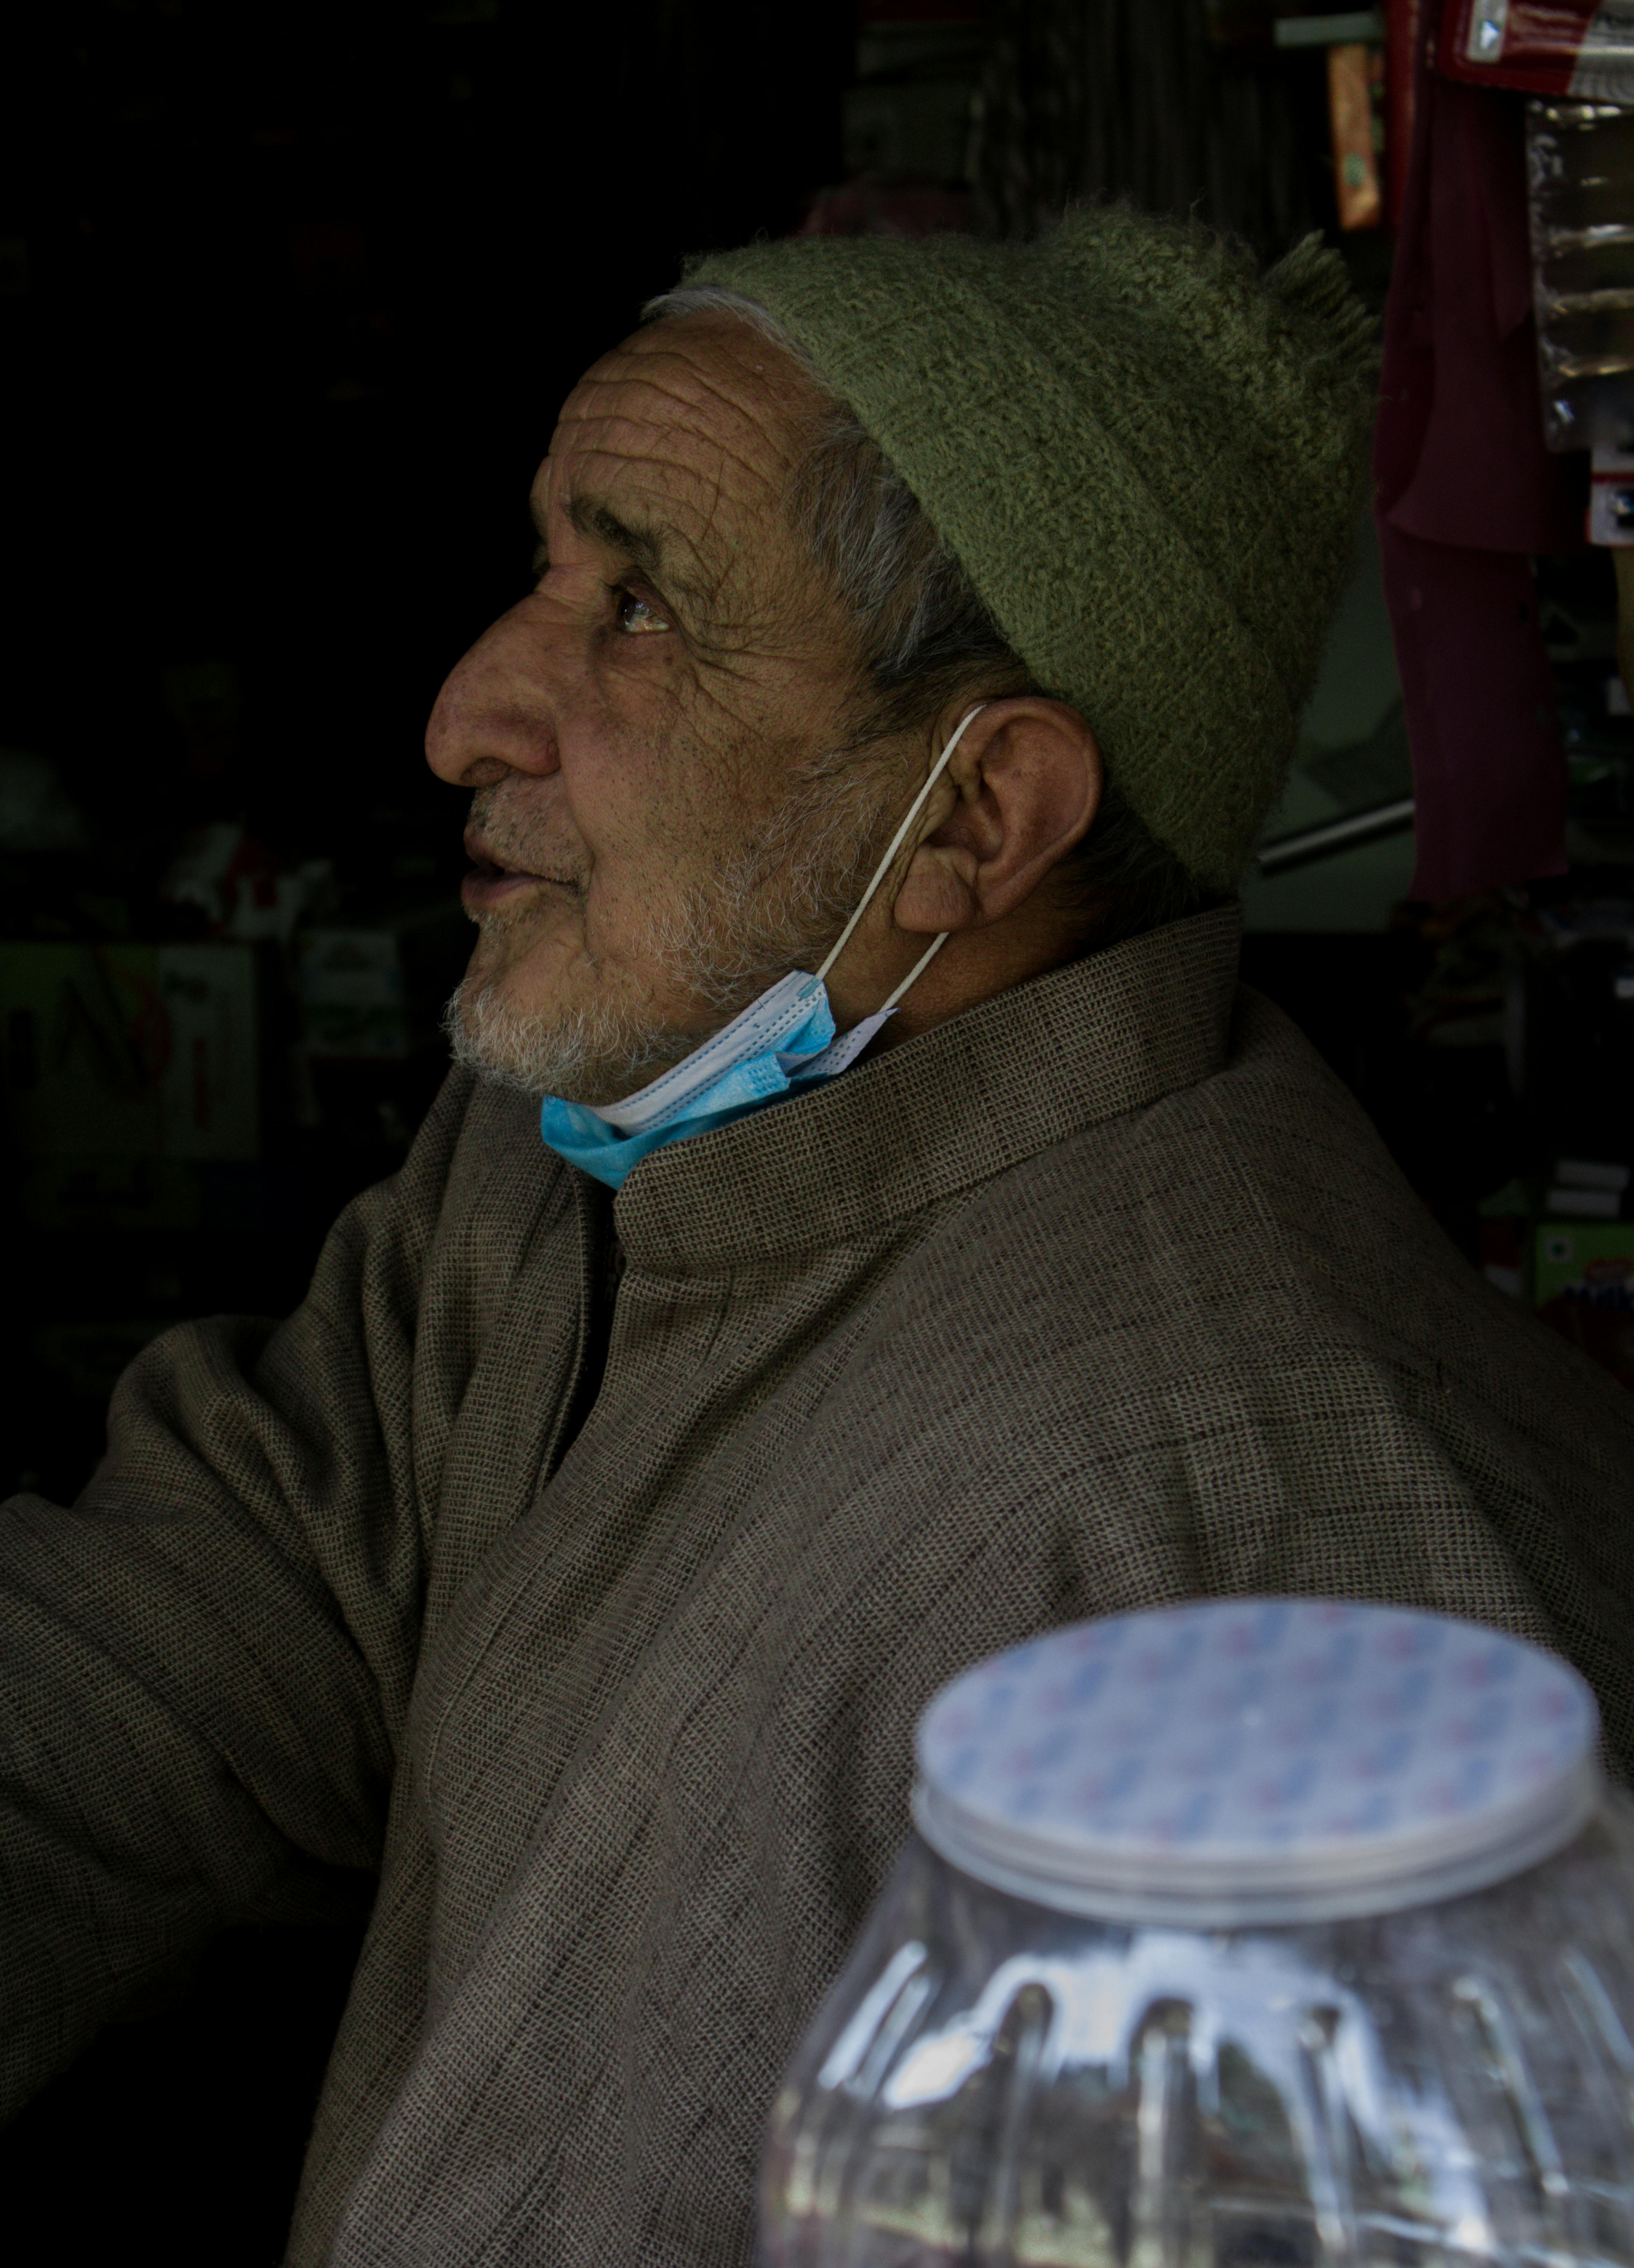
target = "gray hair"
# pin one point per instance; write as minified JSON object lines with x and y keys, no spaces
{"x":925,"y":634}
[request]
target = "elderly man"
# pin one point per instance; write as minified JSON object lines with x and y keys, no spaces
{"x":916,"y":628}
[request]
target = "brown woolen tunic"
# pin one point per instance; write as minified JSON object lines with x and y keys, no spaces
{"x":1078,"y":1302}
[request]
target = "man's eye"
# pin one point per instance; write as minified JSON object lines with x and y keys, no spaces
{"x":637,"y":615}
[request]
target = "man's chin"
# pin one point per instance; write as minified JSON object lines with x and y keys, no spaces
{"x":584,"y":1053}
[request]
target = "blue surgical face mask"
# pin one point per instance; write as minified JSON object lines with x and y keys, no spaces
{"x":783,"y":1042}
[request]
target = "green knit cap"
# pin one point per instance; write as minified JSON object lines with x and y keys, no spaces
{"x":1148,"y":459}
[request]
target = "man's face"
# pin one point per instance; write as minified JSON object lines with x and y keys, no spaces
{"x":663,"y":821}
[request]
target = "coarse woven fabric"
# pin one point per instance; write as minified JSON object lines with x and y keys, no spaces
{"x":1101,"y":1295}
{"x":1149,"y":460}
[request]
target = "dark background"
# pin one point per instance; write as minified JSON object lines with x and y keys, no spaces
{"x":304,"y":286}
{"x":288,"y":296}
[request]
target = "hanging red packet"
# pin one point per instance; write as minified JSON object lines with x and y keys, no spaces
{"x":1547,"y":46}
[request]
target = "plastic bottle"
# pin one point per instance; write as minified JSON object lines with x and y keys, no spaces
{"x":1259,"y":1935}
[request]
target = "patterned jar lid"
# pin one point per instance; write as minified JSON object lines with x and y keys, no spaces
{"x":1238,"y":1761}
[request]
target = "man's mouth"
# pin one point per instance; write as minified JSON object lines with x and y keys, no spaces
{"x":492,"y":880}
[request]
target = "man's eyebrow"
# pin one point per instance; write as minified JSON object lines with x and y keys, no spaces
{"x":645,"y":546}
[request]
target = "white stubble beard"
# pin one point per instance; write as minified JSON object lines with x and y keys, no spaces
{"x":777,"y":905}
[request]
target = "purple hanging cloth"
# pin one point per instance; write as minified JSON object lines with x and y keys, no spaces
{"x":1464,"y":493}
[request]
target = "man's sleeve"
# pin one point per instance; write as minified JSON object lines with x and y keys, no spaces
{"x":204,"y":1662}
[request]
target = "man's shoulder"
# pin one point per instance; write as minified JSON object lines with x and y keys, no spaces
{"x":1244,"y":1237}
{"x":1233,"y":1174}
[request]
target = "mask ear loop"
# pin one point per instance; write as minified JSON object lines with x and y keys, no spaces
{"x":897,"y":841}
{"x":914,"y":974}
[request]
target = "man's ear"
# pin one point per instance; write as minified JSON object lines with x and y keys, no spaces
{"x":1026,"y":777}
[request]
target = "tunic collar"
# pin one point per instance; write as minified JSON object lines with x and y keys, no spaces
{"x":1104,"y":1034}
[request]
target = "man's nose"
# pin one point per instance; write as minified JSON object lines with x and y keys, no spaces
{"x":495,"y":713}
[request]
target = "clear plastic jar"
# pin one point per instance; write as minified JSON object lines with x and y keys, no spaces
{"x":1314,"y":2023}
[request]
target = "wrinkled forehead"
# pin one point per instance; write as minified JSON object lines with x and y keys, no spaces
{"x":694,"y":422}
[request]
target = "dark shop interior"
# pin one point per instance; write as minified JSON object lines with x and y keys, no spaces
{"x":290,"y":296}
